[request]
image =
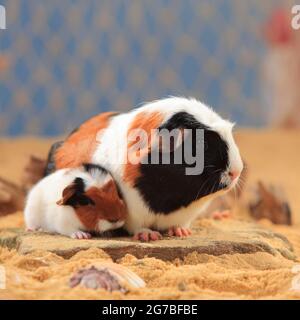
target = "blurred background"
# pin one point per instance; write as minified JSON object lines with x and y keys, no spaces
{"x":64,"y":61}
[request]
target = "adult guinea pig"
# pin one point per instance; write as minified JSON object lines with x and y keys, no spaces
{"x":75,"y":202}
{"x":160,"y":197}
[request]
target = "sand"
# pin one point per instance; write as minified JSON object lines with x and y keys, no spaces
{"x":272,"y":156}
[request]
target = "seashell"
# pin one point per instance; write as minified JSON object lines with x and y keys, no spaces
{"x":296,"y":283}
{"x":109,"y":276}
{"x":296,"y":268}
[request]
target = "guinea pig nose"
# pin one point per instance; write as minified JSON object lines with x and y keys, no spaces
{"x":233,"y":174}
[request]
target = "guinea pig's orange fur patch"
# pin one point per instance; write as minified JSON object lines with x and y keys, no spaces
{"x":80,"y":145}
{"x":108,"y":206}
{"x":146,"y":121}
{"x":88,"y":217}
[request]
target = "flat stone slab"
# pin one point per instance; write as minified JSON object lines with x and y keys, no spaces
{"x":209,"y":237}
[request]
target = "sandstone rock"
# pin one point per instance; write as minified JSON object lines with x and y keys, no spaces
{"x":209,"y":237}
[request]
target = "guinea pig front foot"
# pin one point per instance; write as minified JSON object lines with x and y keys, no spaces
{"x":146,"y":235}
{"x":81,"y":235}
{"x":179,"y":232}
{"x":34,"y":229}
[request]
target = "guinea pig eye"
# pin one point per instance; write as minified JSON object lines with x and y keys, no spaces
{"x":85,"y":201}
{"x":112,"y":220}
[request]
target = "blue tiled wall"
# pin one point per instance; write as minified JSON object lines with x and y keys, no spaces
{"x":63,"y":61}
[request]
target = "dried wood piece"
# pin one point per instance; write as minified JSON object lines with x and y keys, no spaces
{"x":11,"y":197}
{"x":33,"y":172}
{"x":270,"y":204}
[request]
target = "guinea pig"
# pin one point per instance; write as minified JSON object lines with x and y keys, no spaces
{"x":75,"y":203}
{"x":160,"y":197}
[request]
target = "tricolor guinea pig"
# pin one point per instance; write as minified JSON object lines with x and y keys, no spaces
{"x":160,"y":197}
{"x":75,"y":202}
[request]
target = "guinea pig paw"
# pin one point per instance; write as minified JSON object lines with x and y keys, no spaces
{"x":81,"y":235}
{"x":179,"y":232}
{"x":33,"y":229}
{"x":221,"y":214}
{"x":146,"y":235}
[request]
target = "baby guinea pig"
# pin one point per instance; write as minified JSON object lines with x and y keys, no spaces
{"x":75,"y":202}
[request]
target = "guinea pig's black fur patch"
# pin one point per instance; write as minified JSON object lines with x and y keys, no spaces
{"x":79,"y":198}
{"x":50,"y":167}
{"x":166,"y":187}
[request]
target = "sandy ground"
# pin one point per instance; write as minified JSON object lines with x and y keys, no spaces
{"x":272,"y":156}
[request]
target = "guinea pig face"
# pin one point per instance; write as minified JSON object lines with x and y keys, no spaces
{"x":98,"y":209}
{"x":234,"y":164}
{"x":109,"y":208}
{"x":167,"y":187}
{"x":222,"y":160}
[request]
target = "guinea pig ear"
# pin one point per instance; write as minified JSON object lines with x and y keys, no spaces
{"x":110,"y":187}
{"x":73,"y":195}
{"x":167,"y":143}
{"x":67,"y":194}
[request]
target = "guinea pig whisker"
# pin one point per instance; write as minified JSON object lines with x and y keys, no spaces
{"x":241,"y":183}
{"x":201,"y":188}
{"x":210,"y":166}
{"x":213,"y":187}
{"x":239,"y":187}
{"x":207,"y":180}
{"x":234,"y":190}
